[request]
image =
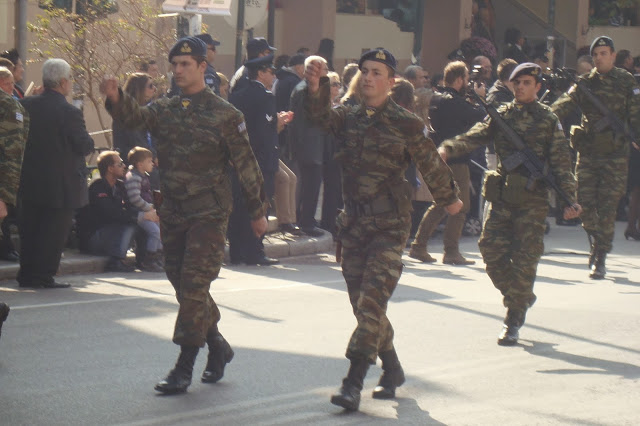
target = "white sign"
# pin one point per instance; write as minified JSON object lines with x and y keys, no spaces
{"x":255,"y":12}
{"x":203,"y":7}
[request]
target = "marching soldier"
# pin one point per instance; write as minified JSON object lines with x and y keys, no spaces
{"x":377,"y":141}
{"x":198,"y":135}
{"x":603,"y":152}
{"x":511,"y":241}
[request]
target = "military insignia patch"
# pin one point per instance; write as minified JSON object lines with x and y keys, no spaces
{"x":19,"y":117}
{"x":185,"y":103}
{"x":185,"y":48}
{"x":242,"y":127}
{"x":370,"y":111}
{"x":268,"y":117}
{"x":381,"y":55}
{"x":560,"y":126}
{"x":425,"y":131}
{"x":602,"y":42}
{"x":636,"y":91}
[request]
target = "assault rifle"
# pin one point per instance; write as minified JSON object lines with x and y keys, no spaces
{"x":524,"y":155}
{"x":609,"y":119}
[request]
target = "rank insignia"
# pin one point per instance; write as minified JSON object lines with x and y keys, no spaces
{"x":185,"y":48}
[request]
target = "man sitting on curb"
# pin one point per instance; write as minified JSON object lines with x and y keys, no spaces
{"x":108,"y":224}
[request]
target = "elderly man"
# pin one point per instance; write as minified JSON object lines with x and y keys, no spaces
{"x":54,"y":179}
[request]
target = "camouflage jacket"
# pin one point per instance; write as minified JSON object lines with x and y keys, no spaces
{"x":541,"y":131}
{"x":619,"y":92}
{"x":197,"y":138}
{"x":374,"y":150}
{"x":14,"y":129}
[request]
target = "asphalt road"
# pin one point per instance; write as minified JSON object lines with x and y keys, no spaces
{"x":91,"y":354}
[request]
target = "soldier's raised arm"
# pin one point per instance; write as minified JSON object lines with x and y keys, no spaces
{"x":125,"y":109}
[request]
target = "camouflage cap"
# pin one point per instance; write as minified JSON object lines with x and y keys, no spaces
{"x":527,"y":68}
{"x":379,"y":55}
{"x":601,"y":41}
{"x":191,"y":46}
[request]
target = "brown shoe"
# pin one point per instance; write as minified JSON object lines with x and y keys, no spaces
{"x":421,"y":254}
{"x":457,"y":259}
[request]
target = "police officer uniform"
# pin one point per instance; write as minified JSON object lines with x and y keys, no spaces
{"x":211,"y":77}
{"x":258,"y":105}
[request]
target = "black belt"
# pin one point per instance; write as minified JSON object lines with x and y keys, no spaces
{"x":375,"y":207}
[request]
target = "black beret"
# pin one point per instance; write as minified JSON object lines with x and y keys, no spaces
{"x":257,"y":45}
{"x":527,"y":68}
{"x":601,"y":41}
{"x":260,"y":63}
{"x":379,"y":55}
{"x":192,"y":46}
{"x":297,"y":59}
{"x":209,"y":41}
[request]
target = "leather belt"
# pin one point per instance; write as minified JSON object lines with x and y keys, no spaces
{"x":374,"y":207}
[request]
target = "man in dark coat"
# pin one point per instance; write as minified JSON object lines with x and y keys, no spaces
{"x":258,"y":105}
{"x":54,"y":180}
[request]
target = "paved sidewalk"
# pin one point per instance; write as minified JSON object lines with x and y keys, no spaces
{"x":276,"y":245}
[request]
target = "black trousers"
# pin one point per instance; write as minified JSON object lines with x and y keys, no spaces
{"x":6,"y":245}
{"x":244,"y":246}
{"x":43,"y":235}
{"x":310,"y":180}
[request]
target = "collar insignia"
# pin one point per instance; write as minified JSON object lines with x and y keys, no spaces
{"x":185,"y":48}
{"x":370,"y":111}
{"x":185,"y":103}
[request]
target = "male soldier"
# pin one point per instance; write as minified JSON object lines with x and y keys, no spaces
{"x":211,"y":77}
{"x":198,"y":134}
{"x":603,"y":153}
{"x":511,"y":241}
{"x":377,"y":141}
{"x":14,"y":129}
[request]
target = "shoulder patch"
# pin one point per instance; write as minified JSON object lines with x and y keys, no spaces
{"x":560,"y":126}
{"x":572,"y":89}
{"x":425,"y":131}
{"x":242,"y":127}
{"x":636,"y":91}
{"x":19,"y":117}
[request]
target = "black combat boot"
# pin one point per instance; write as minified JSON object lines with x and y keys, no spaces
{"x":348,"y":396}
{"x":4,"y":313}
{"x":179,"y":378}
{"x":592,"y":252}
{"x":512,"y":323}
{"x":220,"y":354}
{"x":598,"y":269}
{"x":392,"y":376}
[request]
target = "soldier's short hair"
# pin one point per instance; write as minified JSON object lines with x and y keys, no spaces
{"x":54,"y":71}
{"x":105,"y":160}
{"x":138,"y":154}
{"x":505,"y":68}
{"x":453,"y":71}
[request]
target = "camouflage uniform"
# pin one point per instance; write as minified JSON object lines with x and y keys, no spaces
{"x":512,"y":238}
{"x":602,"y":156}
{"x":375,"y":148}
{"x":197,"y":137}
{"x":14,"y":128}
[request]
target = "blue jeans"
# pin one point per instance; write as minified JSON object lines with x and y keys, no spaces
{"x":112,"y":240}
{"x":152,"y":230}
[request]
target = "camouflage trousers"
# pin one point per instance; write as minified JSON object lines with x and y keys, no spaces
{"x":193,"y":253}
{"x":511,"y":245}
{"x":601,"y":184}
{"x":372,"y":249}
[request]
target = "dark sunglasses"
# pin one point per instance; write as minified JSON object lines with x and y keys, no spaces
{"x":151,"y":86}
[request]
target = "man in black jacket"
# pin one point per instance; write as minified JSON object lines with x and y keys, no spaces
{"x":450,"y":115}
{"x":107,"y":225}
{"x":54,"y":180}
